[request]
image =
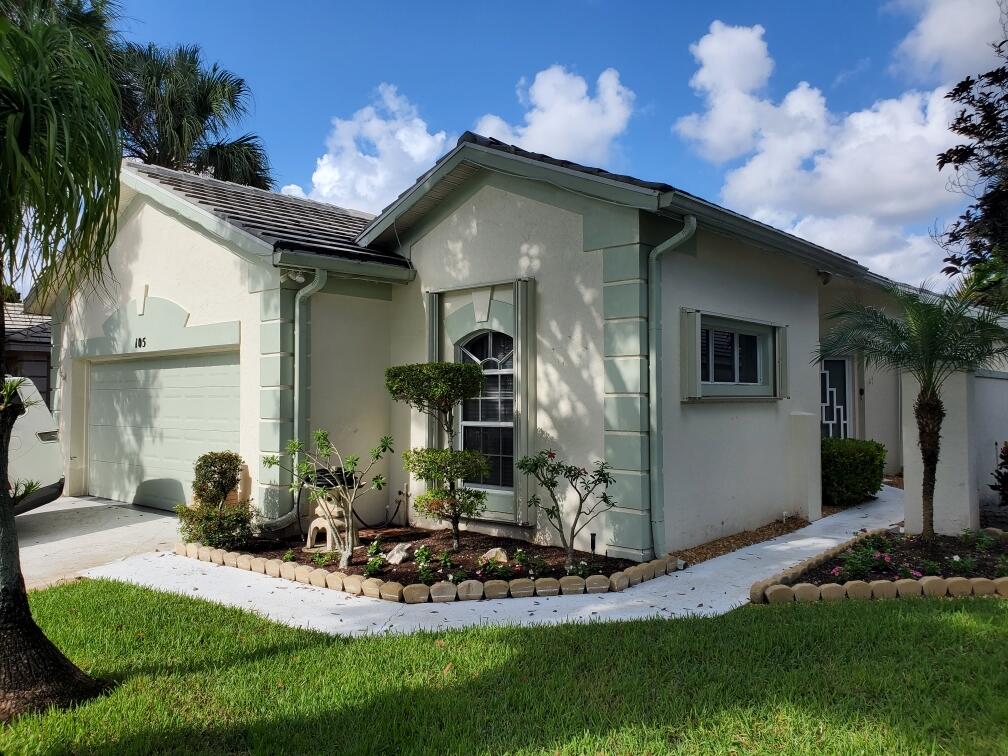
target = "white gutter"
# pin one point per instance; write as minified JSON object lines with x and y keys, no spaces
{"x":654,"y":381}
{"x":300,"y":299}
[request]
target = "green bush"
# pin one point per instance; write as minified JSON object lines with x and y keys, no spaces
{"x":434,"y":387}
{"x":215,"y":475}
{"x":851,"y":470}
{"x":228,"y":526}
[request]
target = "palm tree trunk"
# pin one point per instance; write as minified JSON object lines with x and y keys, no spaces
{"x":929,"y":412}
{"x":34,"y":675}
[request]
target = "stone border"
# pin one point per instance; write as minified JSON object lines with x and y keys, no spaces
{"x":442,"y":591}
{"x":781,"y":588}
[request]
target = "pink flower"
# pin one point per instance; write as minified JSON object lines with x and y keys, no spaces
{"x":916,"y":574}
{"x":888,"y":557}
{"x":836,"y":571}
{"x":551,"y":455}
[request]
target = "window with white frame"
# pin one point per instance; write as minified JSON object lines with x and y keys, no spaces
{"x":487,"y":422}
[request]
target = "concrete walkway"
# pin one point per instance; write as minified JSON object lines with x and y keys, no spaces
{"x":61,"y":539}
{"x":710,"y":588}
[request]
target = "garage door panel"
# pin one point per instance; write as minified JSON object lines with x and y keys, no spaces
{"x":148,"y":420}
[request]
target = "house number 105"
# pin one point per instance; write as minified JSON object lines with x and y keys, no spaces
{"x":141,"y":342}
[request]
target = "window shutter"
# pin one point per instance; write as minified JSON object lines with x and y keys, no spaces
{"x":524,"y":382}
{"x":781,"y":353}
{"x":689,"y":354}
{"x":433,"y":354}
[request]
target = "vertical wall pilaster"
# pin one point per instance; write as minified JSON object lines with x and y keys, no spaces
{"x":276,"y":394}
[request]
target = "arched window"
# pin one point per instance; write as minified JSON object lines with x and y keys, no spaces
{"x":488,"y":422}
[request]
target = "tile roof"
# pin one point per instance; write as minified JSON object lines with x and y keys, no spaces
{"x":289,"y":223}
{"x":26,"y":329}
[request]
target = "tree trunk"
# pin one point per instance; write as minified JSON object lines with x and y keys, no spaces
{"x":929,"y":412}
{"x":34,"y":675}
{"x":455,"y":532}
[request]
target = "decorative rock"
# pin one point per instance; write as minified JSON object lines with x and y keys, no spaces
{"x":933,"y":585}
{"x":217,"y":556}
{"x":180,"y":548}
{"x":681,"y":564}
{"x":192,"y":550}
{"x":779,"y":594}
{"x":1001,"y":586}
{"x":495,"y":589}
{"x":352,"y":584}
{"x":619,"y":581}
{"x":230,"y":558}
{"x":634,"y":574}
{"x":495,"y":555}
{"x":983,"y":586}
{"x":572,"y":584}
{"x":288,"y":570}
{"x":805,"y":593}
{"x":443,"y":591}
{"x":335,"y":580}
{"x":757,"y":591}
{"x":401,"y":552}
{"x":258,"y":564}
{"x":547,"y":586}
{"x":660,"y":565}
{"x":318,"y":577}
{"x":203,"y":553}
{"x":993,"y":532}
{"x":371,"y":587}
{"x":958,"y":586}
{"x":521,"y":588}
{"x":883,"y":589}
{"x":302,"y":573}
{"x":243,"y":562}
{"x":272,"y":567}
{"x":857,"y":589}
{"x":907,"y":588}
{"x":391,"y":591}
{"x":832,"y":592}
{"x":597,"y":584}
{"x":416,"y":593}
{"x":647,"y":571}
{"x":470,"y":590}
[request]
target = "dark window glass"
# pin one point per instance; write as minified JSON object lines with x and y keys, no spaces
{"x":486,"y":421}
{"x":705,"y":355}
{"x":748,"y":358}
{"x":723,"y":346}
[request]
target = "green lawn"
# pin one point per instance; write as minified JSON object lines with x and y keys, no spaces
{"x":912,"y":675}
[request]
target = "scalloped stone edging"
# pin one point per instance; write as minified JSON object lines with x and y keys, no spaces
{"x":781,"y":588}
{"x":442,"y":591}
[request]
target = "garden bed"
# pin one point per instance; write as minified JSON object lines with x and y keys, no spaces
{"x":525,"y":560}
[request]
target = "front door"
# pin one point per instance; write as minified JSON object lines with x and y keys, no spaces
{"x":834,"y":385}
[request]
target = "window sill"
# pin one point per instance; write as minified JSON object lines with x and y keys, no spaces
{"x":731,"y":399}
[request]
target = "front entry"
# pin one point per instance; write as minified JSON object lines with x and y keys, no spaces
{"x":834,"y":386}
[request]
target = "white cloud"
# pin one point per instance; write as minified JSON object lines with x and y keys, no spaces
{"x":864,"y":183}
{"x":951,"y":38}
{"x":564,"y":119}
{"x":374,"y":155}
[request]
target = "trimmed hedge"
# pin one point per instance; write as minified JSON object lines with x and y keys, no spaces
{"x":852,"y":470}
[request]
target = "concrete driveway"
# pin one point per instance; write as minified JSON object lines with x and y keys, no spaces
{"x":62,"y":539}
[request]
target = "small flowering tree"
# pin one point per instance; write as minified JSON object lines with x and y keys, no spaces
{"x":336,"y":492}
{"x":590,"y":487}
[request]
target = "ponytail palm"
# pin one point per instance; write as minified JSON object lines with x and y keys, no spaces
{"x":178,"y":113}
{"x":59,"y":193}
{"x":930,"y":336}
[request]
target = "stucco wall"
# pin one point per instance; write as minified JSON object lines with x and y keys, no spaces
{"x":157,"y":253}
{"x":348,"y":356}
{"x":493,"y":236}
{"x":989,"y":429}
{"x":733,"y":465}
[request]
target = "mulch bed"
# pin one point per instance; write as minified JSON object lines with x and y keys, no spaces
{"x":542,"y":561}
{"x":893,"y":555}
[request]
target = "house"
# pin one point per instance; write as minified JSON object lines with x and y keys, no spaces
{"x":28,"y":341}
{"x":615,"y":318}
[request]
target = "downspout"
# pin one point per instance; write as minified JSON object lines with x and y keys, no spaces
{"x":301,"y":298}
{"x":654,"y":381}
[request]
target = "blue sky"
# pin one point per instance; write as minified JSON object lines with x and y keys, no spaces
{"x":709,"y":97}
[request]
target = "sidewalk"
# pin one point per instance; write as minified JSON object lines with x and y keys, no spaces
{"x":710,"y":588}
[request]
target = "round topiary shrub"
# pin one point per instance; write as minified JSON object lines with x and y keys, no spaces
{"x":227,"y":527}
{"x":852,"y":470}
{"x":215,"y":476}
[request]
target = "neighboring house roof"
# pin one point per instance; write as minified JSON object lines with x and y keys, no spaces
{"x":286,"y":223}
{"x":475,"y":152}
{"x":26,"y":330}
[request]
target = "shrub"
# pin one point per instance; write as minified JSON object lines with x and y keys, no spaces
{"x":224,"y":526}
{"x":1001,"y":477}
{"x":215,"y":475}
{"x":852,"y":470}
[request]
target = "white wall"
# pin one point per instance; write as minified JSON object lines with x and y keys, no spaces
{"x":155,"y":250}
{"x":989,"y":429}
{"x":730,"y":466}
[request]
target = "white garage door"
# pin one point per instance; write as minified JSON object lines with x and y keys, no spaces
{"x":149,"y":419}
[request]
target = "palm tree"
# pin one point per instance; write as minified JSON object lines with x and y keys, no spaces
{"x":932,"y":337}
{"x":178,"y":113}
{"x":59,"y":193}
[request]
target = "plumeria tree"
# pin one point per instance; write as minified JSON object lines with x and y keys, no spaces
{"x":591,"y":487}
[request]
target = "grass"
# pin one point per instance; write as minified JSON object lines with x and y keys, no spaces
{"x":900,"y":676}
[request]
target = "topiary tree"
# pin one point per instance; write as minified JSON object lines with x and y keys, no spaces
{"x":437,"y":389}
{"x":215,"y":476}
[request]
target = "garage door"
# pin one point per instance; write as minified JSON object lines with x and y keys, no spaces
{"x":149,"y":419}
